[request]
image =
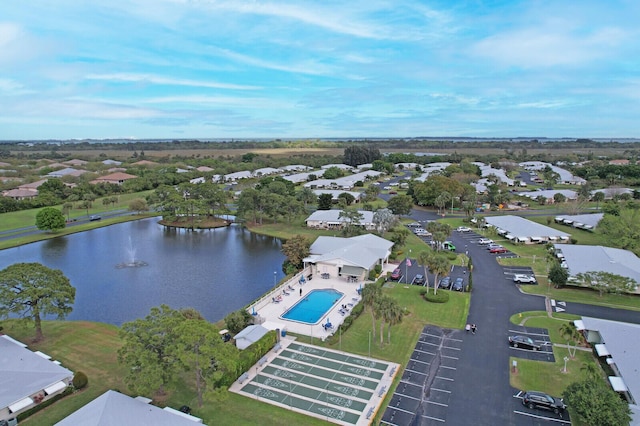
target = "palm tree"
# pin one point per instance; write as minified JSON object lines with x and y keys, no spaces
{"x":423,"y":259}
{"x":392,"y":315}
{"x":370,"y":295}
{"x":381,"y":307}
{"x":439,"y":266}
{"x":570,"y":333}
{"x":591,"y":370}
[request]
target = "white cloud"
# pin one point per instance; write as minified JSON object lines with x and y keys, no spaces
{"x":155,"y":79}
{"x":548,"y":47}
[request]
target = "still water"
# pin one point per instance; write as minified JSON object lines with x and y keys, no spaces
{"x":214,"y":271}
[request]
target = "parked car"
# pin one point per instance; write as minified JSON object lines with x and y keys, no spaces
{"x":499,"y":249}
{"x":524,"y":279}
{"x":445,"y":283}
{"x":396,"y":274}
{"x":458,"y":285}
{"x":463,"y":229}
{"x":419,"y":279}
{"x":485,"y":241}
{"x":492,"y":245}
{"x":94,"y":218}
{"x":535,"y":399}
{"x":523,"y":342}
{"x":448,"y":245}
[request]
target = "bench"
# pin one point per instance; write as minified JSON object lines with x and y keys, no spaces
{"x":392,"y":372}
{"x":262,"y":361}
{"x":382,"y":391}
{"x":369,"y":413}
{"x":277,"y":347}
{"x":243,"y":377}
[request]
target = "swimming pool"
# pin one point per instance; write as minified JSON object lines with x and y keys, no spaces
{"x":313,"y":307}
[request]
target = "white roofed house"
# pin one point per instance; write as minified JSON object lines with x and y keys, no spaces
{"x":232,"y":177}
{"x":27,"y":378}
{"x":354,"y":256}
{"x":519,"y":229}
{"x":113,"y":408}
{"x":580,"y":259}
{"x":336,"y":192}
{"x":339,"y":166}
{"x":330,"y":219}
{"x":265,"y":171}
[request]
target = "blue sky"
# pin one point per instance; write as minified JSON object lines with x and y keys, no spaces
{"x":241,"y":69}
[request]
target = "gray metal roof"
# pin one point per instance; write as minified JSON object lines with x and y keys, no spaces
{"x":363,"y":251}
{"x":582,"y":259}
{"x":334,"y":216}
{"x":591,"y":219}
{"x":23,"y":373}
{"x":114,"y":408}
{"x":523,"y":228}
{"x":623,"y":342}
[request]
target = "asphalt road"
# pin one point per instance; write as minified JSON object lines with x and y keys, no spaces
{"x":478,"y":385}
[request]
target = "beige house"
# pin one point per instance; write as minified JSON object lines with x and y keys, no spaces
{"x":117,"y":178}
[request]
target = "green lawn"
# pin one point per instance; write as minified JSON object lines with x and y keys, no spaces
{"x":25,"y":218}
{"x":546,"y":376}
{"x":92,"y":348}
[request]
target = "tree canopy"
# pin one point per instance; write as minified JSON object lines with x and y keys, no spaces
{"x":32,"y":290}
{"x":596,"y":403}
{"x":50,"y":219}
{"x":400,"y":204}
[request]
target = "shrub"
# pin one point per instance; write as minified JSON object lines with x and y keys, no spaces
{"x":80,"y":380}
{"x":378,"y":269}
{"x":372,"y":275}
{"x":440,"y":297}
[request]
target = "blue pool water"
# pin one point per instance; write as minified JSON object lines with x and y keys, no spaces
{"x":313,"y":306}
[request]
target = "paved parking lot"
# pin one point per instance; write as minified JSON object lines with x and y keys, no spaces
{"x":510,"y":271}
{"x":527,"y":416}
{"x":423,"y":394}
{"x":540,"y":336}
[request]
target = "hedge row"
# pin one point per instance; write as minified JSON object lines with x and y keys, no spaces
{"x":251,"y":356}
{"x":44,"y":404}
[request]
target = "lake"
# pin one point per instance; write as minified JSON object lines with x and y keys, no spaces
{"x":214,"y":271}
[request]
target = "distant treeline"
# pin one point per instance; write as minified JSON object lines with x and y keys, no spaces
{"x":391,"y":143}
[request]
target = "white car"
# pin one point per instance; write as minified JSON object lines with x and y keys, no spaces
{"x":485,"y":241}
{"x":524,"y":279}
{"x":463,"y":229}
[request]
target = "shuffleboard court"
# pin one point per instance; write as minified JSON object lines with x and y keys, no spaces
{"x":335,"y":386}
{"x":333,"y":365}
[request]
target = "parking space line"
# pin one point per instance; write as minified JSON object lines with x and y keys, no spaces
{"x":416,"y":371}
{"x":429,"y":343}
{"x":432,"y":418}
{"x":450,"y":368}
{"x":444,"y":378}
{"x":424,"y":352}
{"x":401,"y":395}
{"x":409,"y":383}
{"x":452,"y":348}
{"x":431,"y":335}
{"x":440,"y":390}
{"x":423,"y":362}
{"x":387,"y":423}
{"x":449,"y":357}
{"x":404,"y":411}
{"x":437,"y":403}
{"x":535,"y":416}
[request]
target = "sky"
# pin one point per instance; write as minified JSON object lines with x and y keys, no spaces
{"x":175,"y":69}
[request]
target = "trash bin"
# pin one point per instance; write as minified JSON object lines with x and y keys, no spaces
{"x":283,"y":333}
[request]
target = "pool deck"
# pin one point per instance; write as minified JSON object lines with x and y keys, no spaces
{"x":270,"y":312}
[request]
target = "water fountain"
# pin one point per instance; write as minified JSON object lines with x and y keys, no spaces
{"x":132,"y":263}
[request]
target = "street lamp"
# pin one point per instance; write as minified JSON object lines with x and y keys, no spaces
{"x":406,"y":267}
